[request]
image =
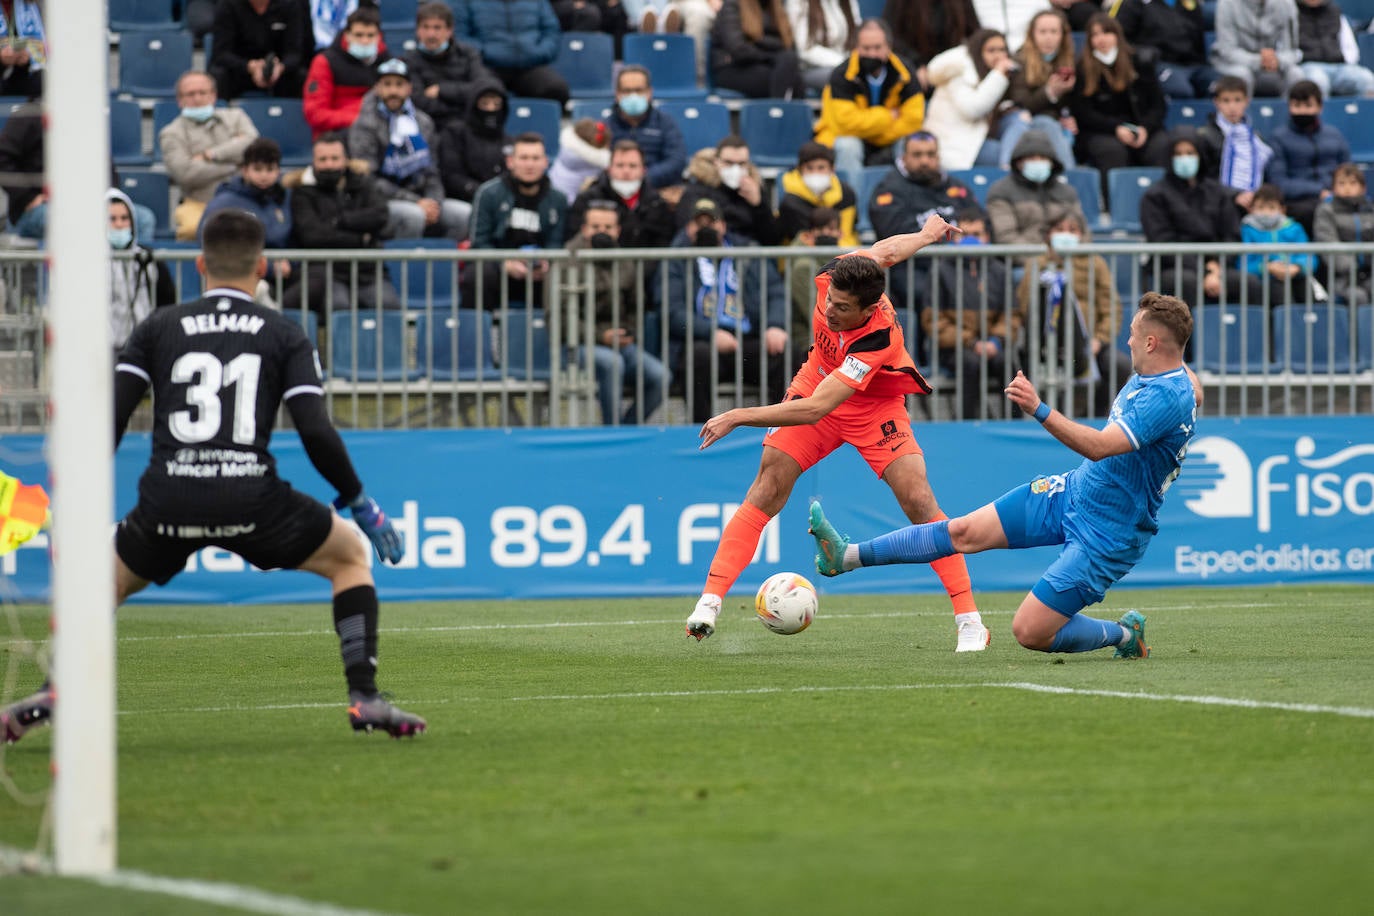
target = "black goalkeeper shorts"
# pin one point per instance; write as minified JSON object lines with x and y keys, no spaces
{"x":282,"y":534}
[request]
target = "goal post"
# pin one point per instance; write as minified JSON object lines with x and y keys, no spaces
{"x":77,"y":168}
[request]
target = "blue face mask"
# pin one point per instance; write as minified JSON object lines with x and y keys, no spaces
{"x":1036,"y":171}
{"x":439,"y":50}
{"x":1064,"y":241}
{"x":970,"y":240}
{"x":362,"y":51}
{"x":200,"y":113}
{"x":1185,"y":167}
{"x":120,"y":238}
{"x":634,"y":104}
{"x":1050,"y":56}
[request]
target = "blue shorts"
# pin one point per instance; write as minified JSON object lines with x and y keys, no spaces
{"x":1041,"y":513}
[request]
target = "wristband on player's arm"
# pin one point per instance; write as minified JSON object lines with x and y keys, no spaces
{"x":1042,"y":413}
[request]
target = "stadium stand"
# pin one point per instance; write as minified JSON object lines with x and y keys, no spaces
{"x":1187,"y":112}
{"x":526,"y":348}
{"x":871,"y":176}
{"x":150,"y":62}
{"x":397,"y":14}
{"x":126,"y":134}
{"x":543,"y":116}
{"x":458,"y":346}
{"x":979,"y":179}
{"x":1353,"y":117}
{"x":1087,"y":181}
{"x":423,"y":282}
{"x":379,"y":342}
{"x":141,"y":15}
{"x":672,"y":61}
{"x":307,"y":319}
{"x":1125,"y":187}
{"x":775,"y":130}
{"x":283,"y":121}
{"x":703,"y":124}
{"x":1231,"y":339}
{"x":1364,"y":338}
{"x":586,"y":60}
{"x":153,"y":190}
{"x":1312,"y":339}
{"x":1266,"y":114}
{"x":596,"y":109}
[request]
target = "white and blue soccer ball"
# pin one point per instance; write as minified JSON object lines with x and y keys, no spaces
{"x":786,"y":603}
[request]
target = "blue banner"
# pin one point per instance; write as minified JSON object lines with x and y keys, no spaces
{"x":633,"y":511}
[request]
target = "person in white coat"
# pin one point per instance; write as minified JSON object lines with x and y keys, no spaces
{"x":1010,"y":17}
{"x":824,"y":32}
{"x":971,"y":82}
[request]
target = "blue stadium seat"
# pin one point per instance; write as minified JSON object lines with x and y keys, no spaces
{"x":1209,"y":14}
{"x":307,"y":320}
{"x":1230,"y":339}
{"x":672,"y":59}
{"x":775,"y":130}
{"x":185,"y":278}
{"x":979,"y":179}
{"x":1268,"y":113}
{"x":596,"y":109}
{"x":381,"y":347}
{"x":586,"y":60}
{"x":126,"y":134}
{"x":1125,"y":187}
{"x":284,"y":121}
{"x":526,"y":348}
{"x":539,"y":115}
{"x":1315,"y":339}
{"x":872,"y":175}
{"x":399,"y":40}
{"x":140,"y":15}
{"x":1353,"y":117}
{"x":1087,"y":181}
{"x":703,"y":124}
{"x":1365,"y":41}
{"x":457,"y":345}
{"x":398,"y":15}
{"x":1187,"y":113}
{"x":153,"y":190}
{"x":1364,"y":338}
{"x":871,"y":9}
{"x":150,"y":62}
{"x":421,"y":283}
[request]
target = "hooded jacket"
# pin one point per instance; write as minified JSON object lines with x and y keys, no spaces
{"x":798,"y":201}
{"x":454,"y":70}
{"x":335,"y":85}
{"x":1175,"y":30}
{"x":272,"y":207}
{"x":660,"y":139}
{"x":1289,"y":232}
{"x":1019,"y":209}
{"x":137,"y":286}
{"x":1203,"y":210}
{"x":962,"y":105}
{"x":757,"y":223}
{"x":368,"y":139}
{"x":512,"y":34}
{"x":846,"y":109}
{"x":651,"y":223}
{"x":471,"y":152}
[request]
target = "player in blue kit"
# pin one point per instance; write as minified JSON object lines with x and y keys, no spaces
{"x":1104,"y":512}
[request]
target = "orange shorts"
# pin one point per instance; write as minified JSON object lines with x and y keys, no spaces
{"x":878,"y":427}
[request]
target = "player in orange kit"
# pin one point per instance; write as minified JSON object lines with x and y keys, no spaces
{"x":852,"y":388}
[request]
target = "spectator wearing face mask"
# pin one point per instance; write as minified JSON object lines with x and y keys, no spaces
{"x":1019,"y":204}
{"x":1268,"y":223}
{"x":813,"y":185}
{"x":444,"y":69}
{"x":658,"y":135}
{"x":201,"y":147}
{"x":344,"y":72}
{"x":139,"y":285}
{"x":646,"y":219}
{"x":1306,"y":153}
{"x":728,"y":177}
{"x":1080,"y":312}
{"x":473,"y":149}
{"x":1348,"y":216}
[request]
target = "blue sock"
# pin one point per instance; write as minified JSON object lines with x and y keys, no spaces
{"x":1084,"y":634}
{"x":912,"y":544}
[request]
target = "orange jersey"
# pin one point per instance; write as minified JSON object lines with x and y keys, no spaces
{"x":872,"y":358}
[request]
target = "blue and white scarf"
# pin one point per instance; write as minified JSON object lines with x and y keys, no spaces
{"x":715,"y":285}
{"x":327,"y":18}
{"x":407,"y":154}
{"x":1243,"y":156}
{"x":28,"y":26}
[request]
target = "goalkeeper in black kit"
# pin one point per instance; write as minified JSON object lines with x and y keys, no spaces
{"x":220,"y":367}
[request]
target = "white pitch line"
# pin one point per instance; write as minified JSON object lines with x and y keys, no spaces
{"x":252,"y":899}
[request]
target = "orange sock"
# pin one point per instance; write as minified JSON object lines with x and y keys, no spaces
{"x":953,"y":573}
{"x":738,"y":543}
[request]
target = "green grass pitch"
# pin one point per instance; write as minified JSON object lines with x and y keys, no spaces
{"x":588,"y":757}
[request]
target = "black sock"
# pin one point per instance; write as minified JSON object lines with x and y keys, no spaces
{"x":355,"y":620}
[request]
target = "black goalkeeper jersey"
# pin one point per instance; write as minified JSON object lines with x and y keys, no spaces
{"x":219,"y":368}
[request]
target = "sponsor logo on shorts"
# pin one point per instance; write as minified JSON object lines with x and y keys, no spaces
{"x":890,"y":435}
{"x":196,"y":532}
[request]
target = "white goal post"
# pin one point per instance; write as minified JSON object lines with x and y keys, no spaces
{"x":81,"y":439}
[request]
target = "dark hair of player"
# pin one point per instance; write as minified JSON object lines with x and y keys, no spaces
{"x":231,"y":244}
{"x":1170,"y":313}
{"x":860,"y":276}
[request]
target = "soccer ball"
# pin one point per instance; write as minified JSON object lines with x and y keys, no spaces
{"x":786,"y":603}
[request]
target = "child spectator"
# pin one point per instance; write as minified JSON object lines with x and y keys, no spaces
{"x":1270,"y":224}
{"x":813,"y":185}
{"x":1306,"y":153}
{"x":1348,"y":216}
{"x":1232,"y":151}
{"x":583,"y":154}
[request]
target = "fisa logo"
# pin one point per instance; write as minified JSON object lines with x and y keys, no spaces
{"x":1221,"y":481}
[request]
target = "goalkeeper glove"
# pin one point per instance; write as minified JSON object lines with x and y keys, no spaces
{"x":386,"y":540}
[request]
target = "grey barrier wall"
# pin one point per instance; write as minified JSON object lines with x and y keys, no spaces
{"x":409,"y":347}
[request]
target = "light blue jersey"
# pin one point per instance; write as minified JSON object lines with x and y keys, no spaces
{"x":1118,"y":498}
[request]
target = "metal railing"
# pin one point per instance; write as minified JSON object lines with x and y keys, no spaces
{"x":447,"y":338}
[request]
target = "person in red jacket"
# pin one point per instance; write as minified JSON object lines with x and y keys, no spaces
{"x":342,"y":73}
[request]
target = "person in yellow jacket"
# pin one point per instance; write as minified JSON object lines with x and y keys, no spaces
{"x":813,"y":185}
{"x":872,"y":101}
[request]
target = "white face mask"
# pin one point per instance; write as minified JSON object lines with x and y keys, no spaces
{"x":816,"y":182}
{"x":626,"y":187}
{"x":731,"y":176}
{"x":1107,"y":58}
